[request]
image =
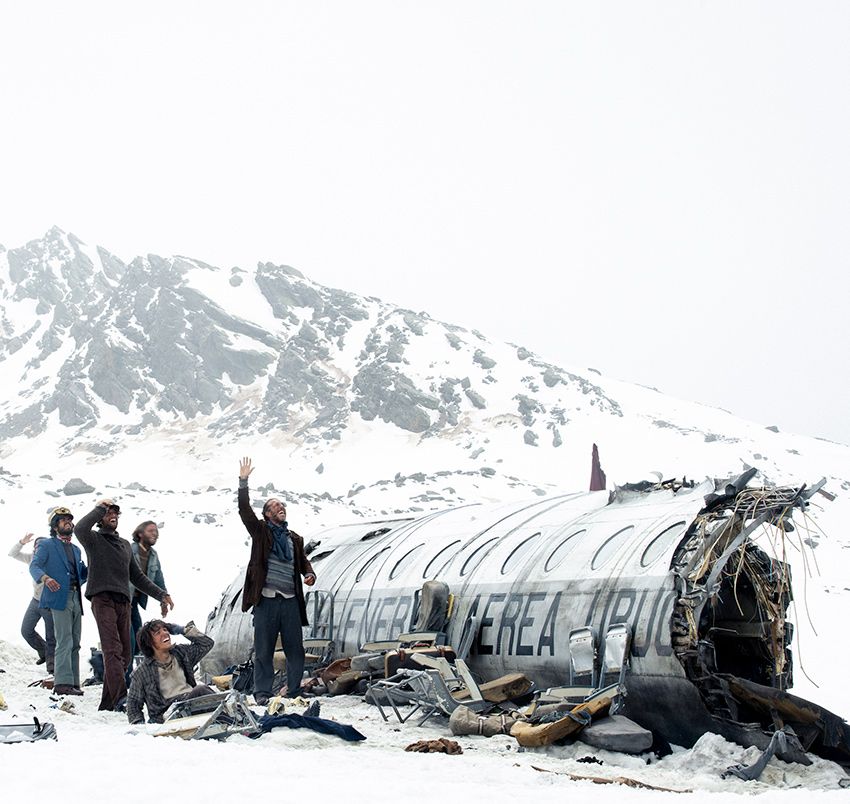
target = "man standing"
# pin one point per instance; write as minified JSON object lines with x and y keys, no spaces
{"x":273,"y":588}
{"x":167,"y":673}
{"x":112,"y":568}
{"x":145,"y":536}
{"x":58,"y":564}
{"x":43,"y":646}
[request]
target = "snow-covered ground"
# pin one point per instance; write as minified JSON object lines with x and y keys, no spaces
{"x":104,"y":758}
{"x":199,"y":559}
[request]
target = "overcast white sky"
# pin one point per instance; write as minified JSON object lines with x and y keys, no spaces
{"x":656,"y":190}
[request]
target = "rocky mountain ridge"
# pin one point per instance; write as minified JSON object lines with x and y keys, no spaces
{"x":97,"y":341}
{"x":102,"y":358}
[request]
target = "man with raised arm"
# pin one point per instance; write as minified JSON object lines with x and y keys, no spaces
{"x":112,"y":568}
{"x":273,"y":588}
{"x":46,"y":645}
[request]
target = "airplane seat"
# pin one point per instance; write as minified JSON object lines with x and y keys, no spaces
{"x":615,"y":654}
{"x":584,"y":656}
{"x":594,"y":667}
{"x":434,"y":607}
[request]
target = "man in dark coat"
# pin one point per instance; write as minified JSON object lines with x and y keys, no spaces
{"x":273,"y":588}
{"x":112,"y":568}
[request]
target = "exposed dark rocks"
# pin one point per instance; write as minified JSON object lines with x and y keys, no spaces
{"x":476,"y":399}
{"x":551,"y":377}
{"x":77,"y":485}
{"x":454,"y":341}
{"x":136,"y":486}
{"x":482,"y":360}
{"x":527,"y":407}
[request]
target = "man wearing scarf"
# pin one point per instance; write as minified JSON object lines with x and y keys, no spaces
{"x":274,"y":589}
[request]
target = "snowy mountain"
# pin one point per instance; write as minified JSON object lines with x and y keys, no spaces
{"x":102,"y":358}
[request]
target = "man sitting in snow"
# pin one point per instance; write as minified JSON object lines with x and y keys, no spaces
{"x":166,"y":673}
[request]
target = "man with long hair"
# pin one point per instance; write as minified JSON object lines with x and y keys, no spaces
{"x":167,"y":673}
{"x":145,"y":536}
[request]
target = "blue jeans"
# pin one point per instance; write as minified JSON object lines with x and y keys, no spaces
{"x":45,"y":648}
{"x":273,"y":616}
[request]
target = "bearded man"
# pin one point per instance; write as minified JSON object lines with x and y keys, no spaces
{"x":273,"y":588}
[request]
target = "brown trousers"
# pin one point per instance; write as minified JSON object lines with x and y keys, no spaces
{"x":113,"y":627}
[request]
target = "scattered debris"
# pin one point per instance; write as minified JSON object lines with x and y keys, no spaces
{"x":438,"y":746}
{"x":27,"y":733}
{"x":623,"y":780}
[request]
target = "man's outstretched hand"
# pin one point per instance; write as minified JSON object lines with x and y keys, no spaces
{"x":245,"y":468}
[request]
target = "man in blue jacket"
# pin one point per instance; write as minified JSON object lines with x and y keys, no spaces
{"x":59,"y":565}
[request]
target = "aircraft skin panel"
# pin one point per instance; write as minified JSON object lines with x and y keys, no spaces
{"x":582,"y":560}
{"x":705,"y":604}
{"x":527,"y":610}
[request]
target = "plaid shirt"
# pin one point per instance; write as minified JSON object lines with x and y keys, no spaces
{"x":144,"y":686}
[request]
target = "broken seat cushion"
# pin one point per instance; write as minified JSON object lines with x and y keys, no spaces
{"x":394,"y":660}
{"x":617,"y":733}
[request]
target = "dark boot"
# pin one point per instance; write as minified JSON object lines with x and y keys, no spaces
{"x":66,"y":689}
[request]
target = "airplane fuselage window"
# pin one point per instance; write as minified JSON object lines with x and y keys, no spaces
{"x":560,"y":552}
{"x":520,"y":552}
{"x":405,"y":560}
{"x":658,"y":546}
{"x":477,"y":557}
{"x":610,"y":547}
{"x":438,"y":563}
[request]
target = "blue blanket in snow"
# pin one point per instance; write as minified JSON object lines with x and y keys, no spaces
{"x":269,"y":722}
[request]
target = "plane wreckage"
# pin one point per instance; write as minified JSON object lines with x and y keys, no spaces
{"x":675,"y":563}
